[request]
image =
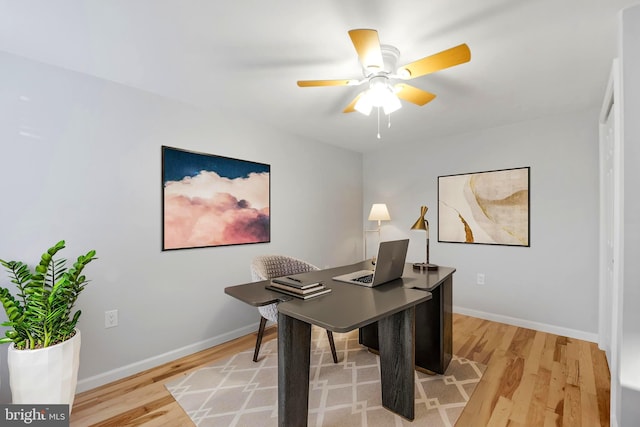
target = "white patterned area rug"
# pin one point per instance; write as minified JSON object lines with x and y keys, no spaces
{"x":239,"y":392}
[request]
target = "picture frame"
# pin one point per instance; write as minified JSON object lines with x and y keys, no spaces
{"x":491,"y":207}
{"x":210,"y":200}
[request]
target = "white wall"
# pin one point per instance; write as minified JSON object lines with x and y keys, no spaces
{"x":552,"y":285}
{"x":630,"y":354}
{"x":80,"y":160}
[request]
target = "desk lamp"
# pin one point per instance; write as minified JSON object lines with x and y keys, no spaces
{"x":423,"y":224}
{"x":378,"y":213}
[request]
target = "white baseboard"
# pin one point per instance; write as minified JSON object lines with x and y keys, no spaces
{"x":543,"y":327}
{"x":137,"y":367}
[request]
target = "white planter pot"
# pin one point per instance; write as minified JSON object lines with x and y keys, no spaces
{"x":47,"y":375}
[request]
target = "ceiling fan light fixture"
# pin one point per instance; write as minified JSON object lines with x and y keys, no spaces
{"x":381,"y":95}
{"x":364,"y":104}
{"x":391,"y":104}
{"x":378,"y":89}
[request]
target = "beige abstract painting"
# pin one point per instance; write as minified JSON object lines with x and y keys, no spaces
{"x":485,"y":207}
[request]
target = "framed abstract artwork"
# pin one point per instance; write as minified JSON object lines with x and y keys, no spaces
{"x":210,"y":200}
{"x":485,"y":207}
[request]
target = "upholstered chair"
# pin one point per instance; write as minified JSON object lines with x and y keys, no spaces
{"x":268,"y":267}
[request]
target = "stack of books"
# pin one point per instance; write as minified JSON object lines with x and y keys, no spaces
{"x":297,"y":287}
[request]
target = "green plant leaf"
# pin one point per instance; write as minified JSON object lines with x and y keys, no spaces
{"x":41,"y":314}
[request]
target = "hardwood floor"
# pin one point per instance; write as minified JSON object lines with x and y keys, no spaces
{"x":532,"y":379}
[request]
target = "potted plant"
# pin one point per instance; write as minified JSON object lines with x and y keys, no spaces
{"x":43,"y":357}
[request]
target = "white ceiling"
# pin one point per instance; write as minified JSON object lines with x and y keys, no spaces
{"x":529,"y":58}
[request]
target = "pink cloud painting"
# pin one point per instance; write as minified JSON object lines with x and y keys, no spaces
{"x":213,"y":201}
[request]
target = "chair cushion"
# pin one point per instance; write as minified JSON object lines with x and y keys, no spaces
{"x":269,"y":312}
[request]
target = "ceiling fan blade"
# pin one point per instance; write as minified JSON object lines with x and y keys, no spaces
{"x":430,"y":64}
{"x":367,"y":45}
{"x":311,"y":83}
{"x":413,"y":94}
{"x":351,"y":107}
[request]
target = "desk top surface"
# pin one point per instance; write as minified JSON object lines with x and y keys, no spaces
{"x":347,"y":306}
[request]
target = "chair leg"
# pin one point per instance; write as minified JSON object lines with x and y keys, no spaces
{"x":263,"y":322}
{"x":333,"y":346}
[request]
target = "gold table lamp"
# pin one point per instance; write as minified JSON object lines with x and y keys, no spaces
{"x":423,"y":224}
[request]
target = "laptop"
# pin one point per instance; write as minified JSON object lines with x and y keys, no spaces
{"x":389,"y":266}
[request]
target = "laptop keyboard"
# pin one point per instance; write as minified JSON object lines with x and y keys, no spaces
{"x":364,"y":279}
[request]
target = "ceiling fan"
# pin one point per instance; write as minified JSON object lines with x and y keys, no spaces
{"x":379,"y":64}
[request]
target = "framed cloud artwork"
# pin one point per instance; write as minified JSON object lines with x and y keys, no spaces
{"x":210,"y":200}
{"x":485,"y":207}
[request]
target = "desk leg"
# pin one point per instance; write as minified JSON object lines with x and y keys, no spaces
{"x":294,"y":347}
{"x":434,"y":338}
{"x":434,"y":330}
{"x":397,"y":353}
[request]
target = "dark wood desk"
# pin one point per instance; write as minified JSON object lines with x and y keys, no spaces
{"x":434,"y":319}
{"x":347,"y":307}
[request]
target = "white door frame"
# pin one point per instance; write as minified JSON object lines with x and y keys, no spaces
{"x":611,"y":234}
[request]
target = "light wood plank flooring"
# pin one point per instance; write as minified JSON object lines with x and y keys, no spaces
{"x":532,"y":379}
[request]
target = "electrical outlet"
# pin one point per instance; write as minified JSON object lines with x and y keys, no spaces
{"x":110,"y":318}
{"x":480,"y":279}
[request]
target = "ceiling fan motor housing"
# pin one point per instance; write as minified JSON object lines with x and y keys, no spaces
{"x":390,"y":56}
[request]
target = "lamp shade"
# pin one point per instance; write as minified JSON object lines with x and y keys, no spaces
{"x":421,"y":223}
{"x":391,"y":103}
{"x":364,"y":104}
{"x":379,"y":212}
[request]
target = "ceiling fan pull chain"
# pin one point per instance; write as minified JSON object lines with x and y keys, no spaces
{"x":378,"y":122}
{"x":389,"y":124}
